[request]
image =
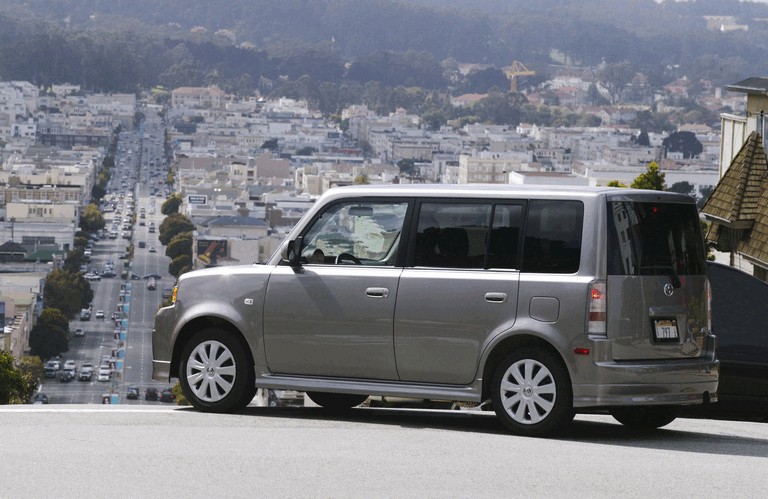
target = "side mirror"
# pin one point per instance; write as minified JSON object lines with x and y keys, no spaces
{"x":294,"y":251}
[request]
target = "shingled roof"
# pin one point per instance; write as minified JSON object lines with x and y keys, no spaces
{"x":734,"y":202}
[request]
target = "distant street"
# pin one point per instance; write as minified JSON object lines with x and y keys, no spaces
{"x":67,"y":451}
{"x":126,"y":340}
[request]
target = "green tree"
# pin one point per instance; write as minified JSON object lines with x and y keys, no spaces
{"x":47,"y":340}
{"x":174,"y":224}
{"x":54,"y":317}
{"x":407,"y":166}
{"x":683,"y":188}
{"x":616,"y":183}
{"x":615,"y":77}
{"x":171,"y":205}
{"x":684,"y":142}
{"x":13,"y":389}
{"x":652,"y":179}
{"x":74,"y":260}
{"x":181,"y":244}
{"x":67,"y":291}
{"x":361,"y":180}
{"x":179,"y":265}
{"x":91,"y":219}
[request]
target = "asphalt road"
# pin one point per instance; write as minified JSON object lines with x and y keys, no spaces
{"x":122,"y":451}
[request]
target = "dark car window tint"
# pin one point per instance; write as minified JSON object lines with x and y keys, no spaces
{"x":654,"y":239}
{"x":553,"y":236}
{"x":452,"y":235}
{"x":505,"y":237}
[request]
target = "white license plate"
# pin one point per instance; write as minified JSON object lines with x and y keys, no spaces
{"x":665,"y":330}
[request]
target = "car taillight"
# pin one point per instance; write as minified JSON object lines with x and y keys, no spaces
{"x":596,"y":321}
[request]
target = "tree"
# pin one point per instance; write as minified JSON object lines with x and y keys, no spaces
{"x":174,"y":224}
{"x":67,"y":291}
{"x":652,"y":179}
{"x":47,"y":340}
{"x":270,"y":144}
{"x":361,"y":180}
{"x":54,"y":317}
{"x":643,"y":139}
{"x":407,"y":166}
{"x":171,"y":205}
{"x":91,"y":219}
{"x":616,"y":183}
{"x":74,"y":260}
{"x":684,"y":142}
{"x":683,"y":188}
{"x":13,"y":389}
{"x":181,"y":244}
{"x":616,"y":76}
{"x":179,"y":265}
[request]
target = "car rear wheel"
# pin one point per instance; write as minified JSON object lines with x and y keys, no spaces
{"x":645,"y":418}
{"x":215,"y":373}
{"x":336,"y":401}
{"x":531,"y":393}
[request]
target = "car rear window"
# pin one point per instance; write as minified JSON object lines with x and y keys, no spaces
{"x":647,"y":238}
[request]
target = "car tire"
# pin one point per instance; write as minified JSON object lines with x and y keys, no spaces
{"x":215,"y":373}
{"x":336,"y":401}
{"x":531,"y":393}
{"x":646,"y":417}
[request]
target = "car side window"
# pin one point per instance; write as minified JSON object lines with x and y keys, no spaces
{"x":553,"y":236}
{"x":452,"y":235}
{"x":357,"y":233}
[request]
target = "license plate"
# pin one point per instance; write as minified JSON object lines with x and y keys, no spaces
{"x":665,"y":330}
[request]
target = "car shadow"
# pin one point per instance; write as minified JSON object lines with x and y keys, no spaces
{"x":600,"y":429}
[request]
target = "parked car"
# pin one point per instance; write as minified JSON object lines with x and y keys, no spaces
{"x":547,"y":301}
{"x":40,"y":398}
{"x":167,"y":396}
{"x":738,"y":321}
{"x":151,"y":394}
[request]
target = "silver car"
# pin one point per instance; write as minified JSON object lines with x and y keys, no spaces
{"x":538,"y":301}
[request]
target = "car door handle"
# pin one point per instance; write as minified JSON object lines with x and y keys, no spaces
{"x":496,"y":297}
{"x":377,"y":292}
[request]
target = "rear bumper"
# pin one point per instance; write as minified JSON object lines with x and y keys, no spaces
{"x":678,"y":382}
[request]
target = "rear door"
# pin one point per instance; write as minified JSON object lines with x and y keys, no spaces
{"x":460,"y":288}
{"x":657,"y":284}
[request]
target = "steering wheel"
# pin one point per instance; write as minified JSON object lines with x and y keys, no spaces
{"x":346,"y":258}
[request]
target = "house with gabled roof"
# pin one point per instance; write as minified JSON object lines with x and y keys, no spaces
{"x":738,"y":206}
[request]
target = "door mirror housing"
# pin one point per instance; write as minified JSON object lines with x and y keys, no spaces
{"x":293,"y":252}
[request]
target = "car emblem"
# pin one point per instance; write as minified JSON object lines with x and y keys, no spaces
{"x":669,"y":289}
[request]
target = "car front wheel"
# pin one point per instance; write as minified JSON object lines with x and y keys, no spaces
{"x":532,"y":393}
{"x":215,"y":373}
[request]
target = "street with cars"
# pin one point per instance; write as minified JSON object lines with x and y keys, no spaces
{"x":109,"y":345}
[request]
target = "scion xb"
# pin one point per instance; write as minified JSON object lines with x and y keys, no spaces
{"x":538,"y":302}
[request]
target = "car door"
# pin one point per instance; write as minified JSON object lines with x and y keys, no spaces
{"x":459,"y":288}
{"x":333,"y":315}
